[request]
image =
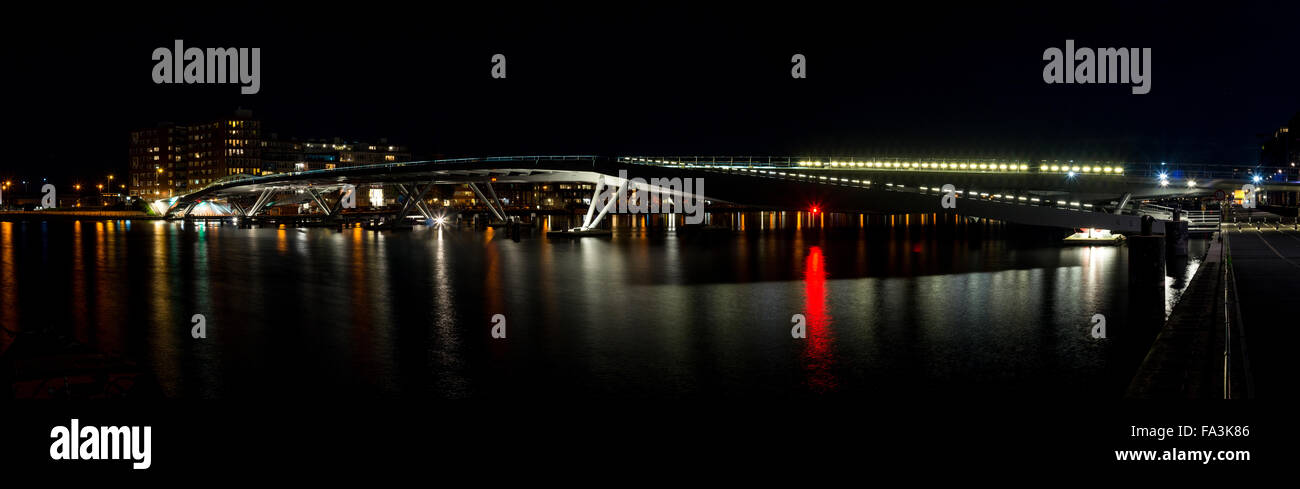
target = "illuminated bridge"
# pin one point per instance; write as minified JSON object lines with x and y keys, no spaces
{"x":1059,"y":194}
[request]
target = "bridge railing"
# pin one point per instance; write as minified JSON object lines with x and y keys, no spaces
{"x":1154,"y":170}
{"x":824,"y":178}
{"x":1196,"y":220}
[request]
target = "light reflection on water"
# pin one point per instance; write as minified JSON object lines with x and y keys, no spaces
{"x":920,"y":305}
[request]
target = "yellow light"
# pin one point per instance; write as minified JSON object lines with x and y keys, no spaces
{"x":1044,"y":168}
{"x":1024,"y":167}
{"x":1075,"y":168}
{"x":1056,"y":168}
{"x":1002,"y":167}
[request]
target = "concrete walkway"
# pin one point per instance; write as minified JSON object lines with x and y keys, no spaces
{"x":1266,"y":268}
{"x":1186,"y":358}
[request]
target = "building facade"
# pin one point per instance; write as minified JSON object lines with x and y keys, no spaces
{"x":155,"y":161}
{"x":173,"y":159}
{"x":1279,"y":159}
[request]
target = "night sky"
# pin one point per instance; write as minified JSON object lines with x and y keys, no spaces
{"x":926,"y":81}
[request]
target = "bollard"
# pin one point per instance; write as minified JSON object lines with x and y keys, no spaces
{"x":1147,"y":223}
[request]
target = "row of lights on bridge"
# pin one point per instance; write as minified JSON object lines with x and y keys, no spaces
{"x":1112,"y":170}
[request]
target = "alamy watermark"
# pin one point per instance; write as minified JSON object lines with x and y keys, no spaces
{"x":213,"y":65}
{"x":75,"y":442}
{"x":657,"y":196}
{"x":1104,"y":65}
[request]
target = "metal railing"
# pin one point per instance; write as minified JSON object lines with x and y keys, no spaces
{"x":1196,"y":220}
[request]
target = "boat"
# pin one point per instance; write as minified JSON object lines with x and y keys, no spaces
{"x":1093,"y":236}
{"x":577,"y":233}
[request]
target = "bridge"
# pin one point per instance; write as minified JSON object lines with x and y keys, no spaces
{"x":1060,"y":194}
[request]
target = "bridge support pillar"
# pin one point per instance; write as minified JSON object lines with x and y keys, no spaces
{"x":414,"y":197}
{"x":1123,"y":201}
{"x":1146,"y":261}
{"x":487,"y":202}
{"x":609,"y":204}
{"x":1176,"y":238}
{"x":259,"y":204}
{"x":595,"y":198}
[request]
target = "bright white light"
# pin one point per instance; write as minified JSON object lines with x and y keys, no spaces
{"x":1255,"y":178}
{"x":1191,"y":183}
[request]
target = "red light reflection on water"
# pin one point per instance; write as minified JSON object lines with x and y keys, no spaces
{"x":818,"y":352}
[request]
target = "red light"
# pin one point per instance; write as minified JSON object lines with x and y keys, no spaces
{"x":815,"y":210}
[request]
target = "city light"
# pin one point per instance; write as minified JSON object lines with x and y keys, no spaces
{"x":1191,"y":183}
{"x":1255,"y":178}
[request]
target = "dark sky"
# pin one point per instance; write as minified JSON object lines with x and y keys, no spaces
{"x":929,"y":80}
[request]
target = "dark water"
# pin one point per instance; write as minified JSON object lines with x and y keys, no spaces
{"x":895,"y":306}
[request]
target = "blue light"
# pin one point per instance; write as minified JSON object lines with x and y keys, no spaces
{"x":1255,"y":178}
